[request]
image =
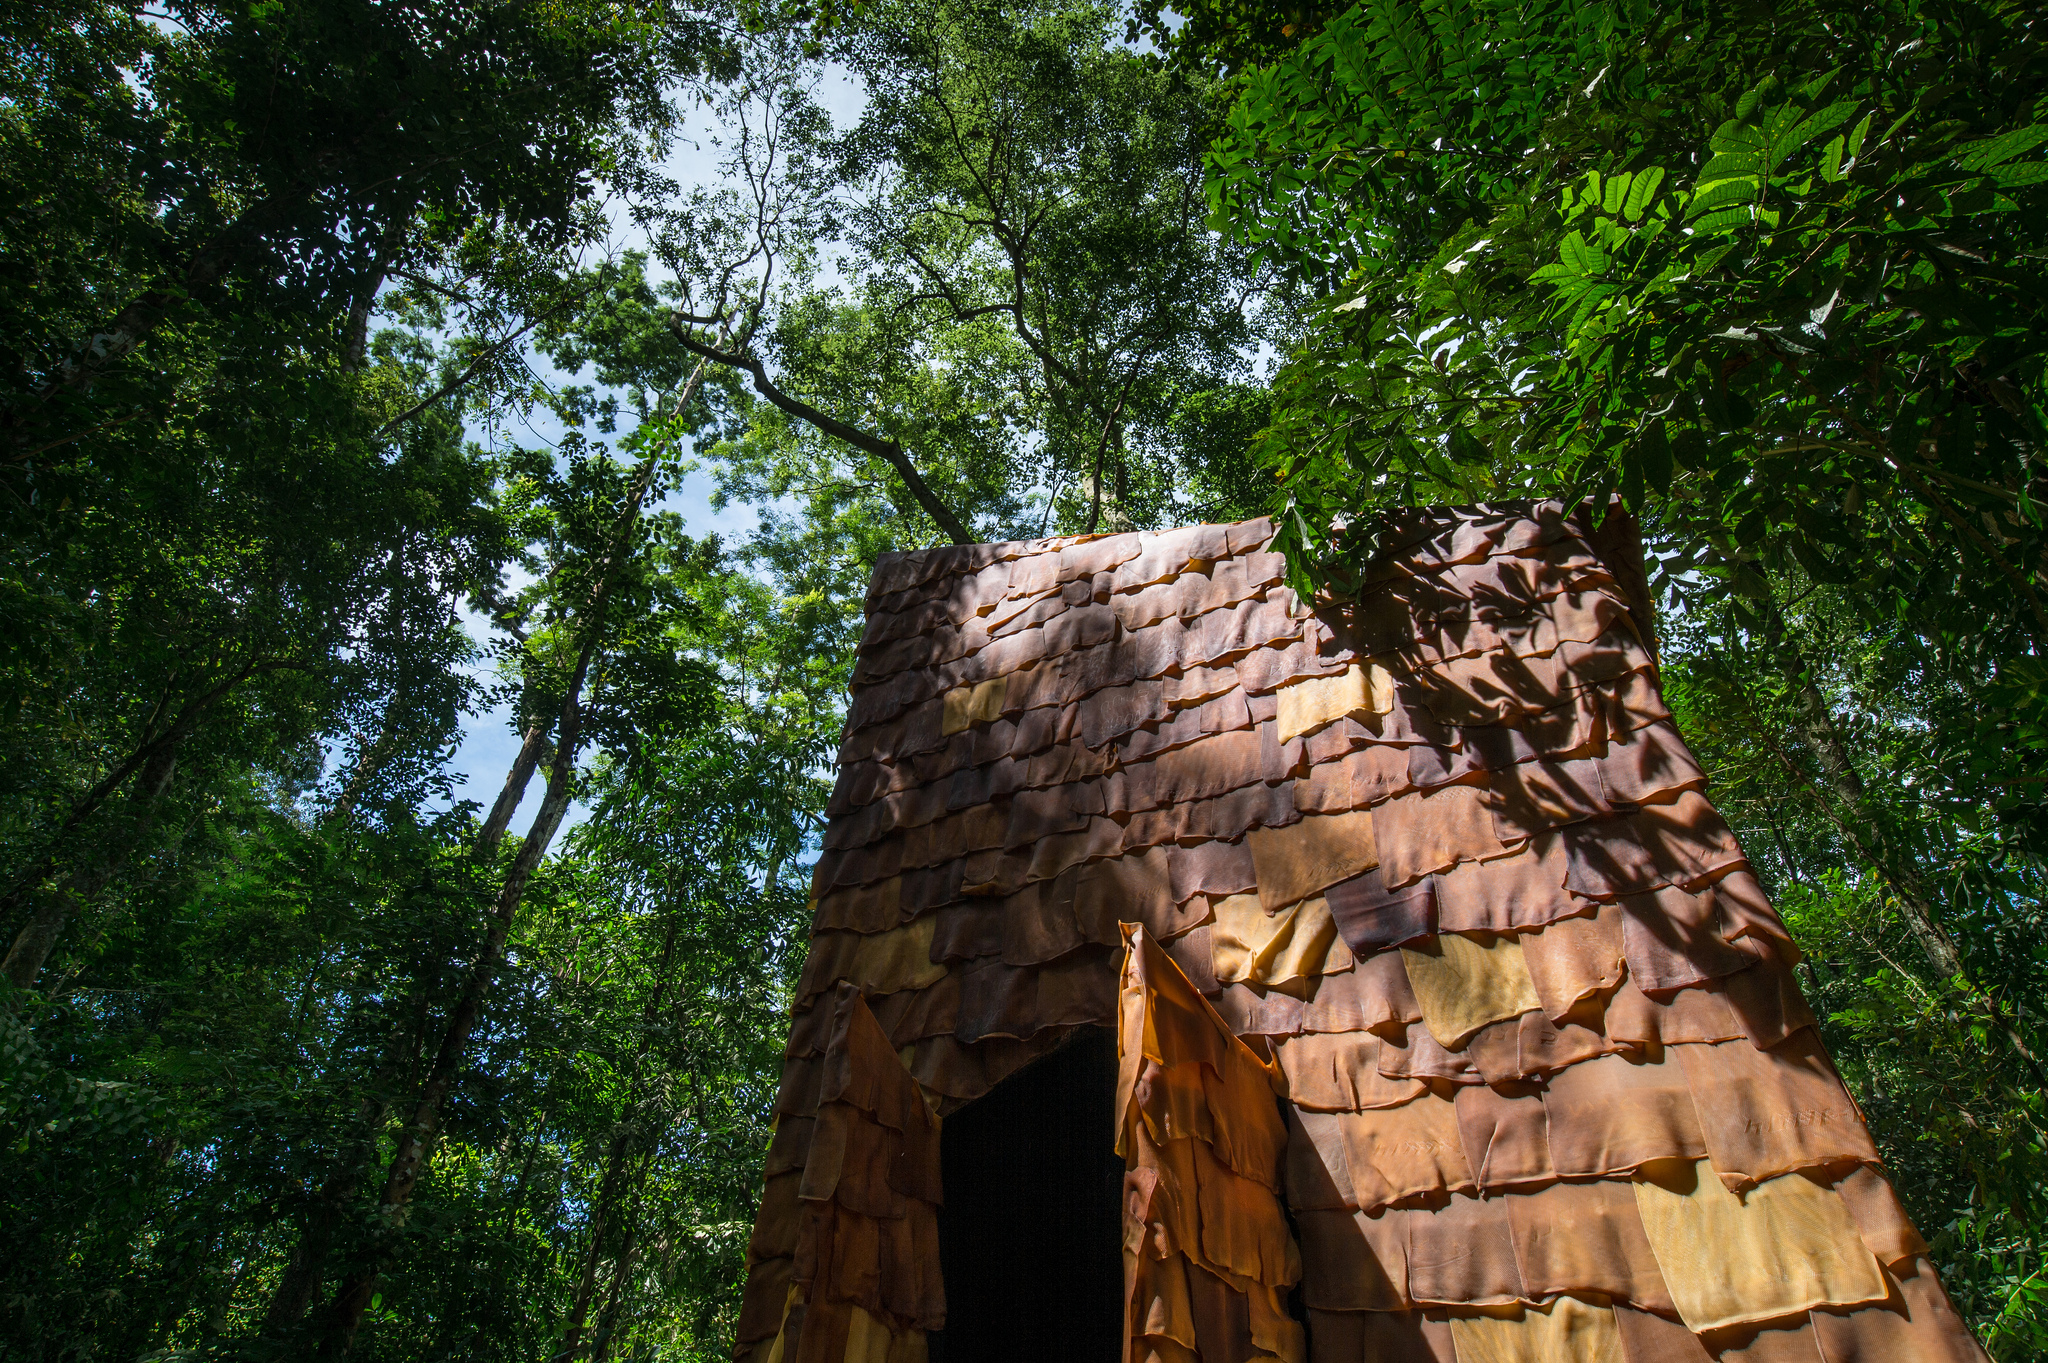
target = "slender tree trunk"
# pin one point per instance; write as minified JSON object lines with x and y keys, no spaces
{"x":1861,"y":824}
{"x":531,"y":748}
{"x":308,"y":1263}
{"x":54,"y":908}
{"x":1095,"y":478}
{"x":416,"y":1141}
{"x":300,"y":1284}
{"x":304,"y":1271}
{"x":368,"y":763}
{"x":611,"y":1187}
{"x":1863,"y":827}
{"x":295,"y":1292}
{"x":307,"y":1266}
{"x":609,"y":1191}
{"x":525,"y":1178}
{"x":356,"y":340}
{"x":607,"y":1336}
{"x":32,"y":945}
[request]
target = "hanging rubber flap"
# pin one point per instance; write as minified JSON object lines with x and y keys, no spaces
{"x":1208,"y":1258}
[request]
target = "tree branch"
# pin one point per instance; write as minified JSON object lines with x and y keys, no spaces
{"x":1927,"y":494}
{"x":106,"y":425}
{"x":1101,"y":445}
{"x":888,"y":450}
{"x":489,"y":352}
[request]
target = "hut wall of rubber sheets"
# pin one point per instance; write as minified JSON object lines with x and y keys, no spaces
{"x":1444,"y":996}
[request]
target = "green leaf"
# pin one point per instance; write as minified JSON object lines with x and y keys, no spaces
{"x":1856,"y":136}
{"x":1741,"y":411}
{"x":2017,"y":177}
{"x":1726,"y":408}
{"x":1826,"y":120}
{"x":1730,"y":166}
{"x":1720,"y":194}
{"x":1725,"y":220}
{"x":1640,"y":191}
{"x":1584,"y":258}
{"x":1465,"y":447}
{"x":1652,"y":451}
{"x":1752,"y":99}
{"x":1688,"y":448}
{"x":1997,"y":150}
{"x":1831,"y":159}
{"x":1710,"y":259}
{"x":1612,"y":198}
{"x":1818,"y":86}
{"x":1434,"y":463}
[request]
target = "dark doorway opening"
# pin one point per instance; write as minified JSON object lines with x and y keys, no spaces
{"x":1030,"y":1237}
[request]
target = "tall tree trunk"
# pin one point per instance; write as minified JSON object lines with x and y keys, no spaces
{"x":610,"y":1190}
{"x":611,"y":1187}
{"x":416,"y":1141}
{"x":300,"y":1284}
{"x":1863,"y":826}
{"x":77,"y":890}
{"x":367,"y":764}
{"x":525,"y":1178}
{"x":356,"y":339}
{"x":607,"y":1336}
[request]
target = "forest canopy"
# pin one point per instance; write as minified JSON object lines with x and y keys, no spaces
{"x":387,"y":373}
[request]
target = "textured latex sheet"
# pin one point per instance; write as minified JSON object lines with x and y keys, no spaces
{"x":1448,"y":1004}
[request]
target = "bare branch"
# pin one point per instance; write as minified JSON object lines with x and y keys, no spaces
{"x":486,"y":354}
{"x":888,"y":450}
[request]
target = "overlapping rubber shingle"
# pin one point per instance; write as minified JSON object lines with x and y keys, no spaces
{"x":1208,"y":1256}
{"x":1437,"y":857}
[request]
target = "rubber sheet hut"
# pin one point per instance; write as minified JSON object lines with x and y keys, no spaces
{"x":1449,"y":1022}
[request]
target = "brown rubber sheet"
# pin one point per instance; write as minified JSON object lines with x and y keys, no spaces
{"x":1414,"y":911}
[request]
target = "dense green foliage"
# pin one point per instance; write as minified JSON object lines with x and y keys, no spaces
{"x":299,"y":1056}
{"x":1772,"y":274}
{"x":363,"y":355}
{"x":254,"y":956}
